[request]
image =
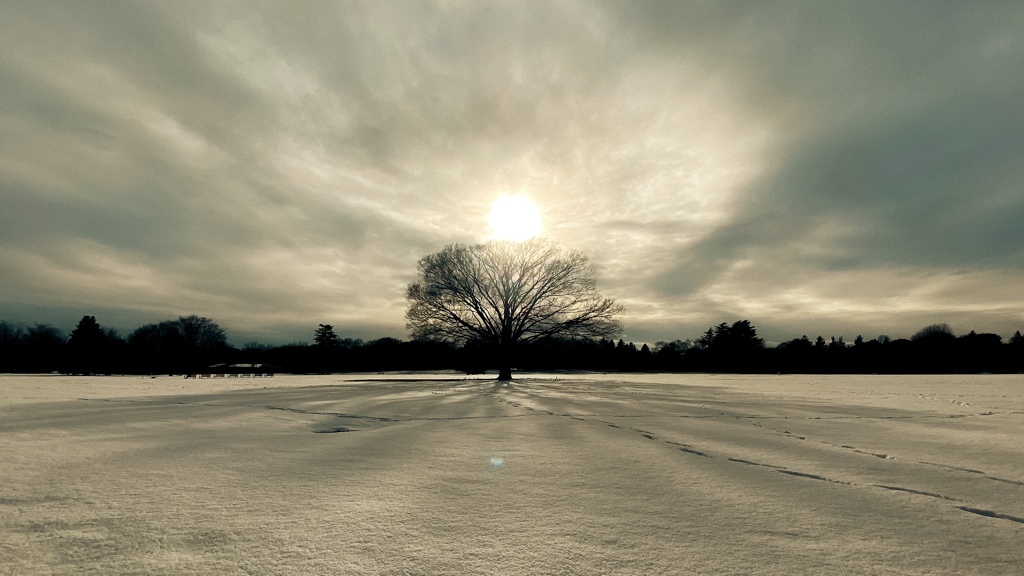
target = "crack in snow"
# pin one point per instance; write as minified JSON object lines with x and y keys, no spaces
{"x":750,"y":463}
{"x":991,"y":514}
{"x":813,"y":477}
{"x":920,"y":492}
{"x":974,"y":471}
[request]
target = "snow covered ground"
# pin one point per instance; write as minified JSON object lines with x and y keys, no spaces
{"x":574,"y":474}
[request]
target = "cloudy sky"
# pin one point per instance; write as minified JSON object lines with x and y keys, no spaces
{"x":824,"y":168}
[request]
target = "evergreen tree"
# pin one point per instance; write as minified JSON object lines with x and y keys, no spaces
{"x":1016,"y":352}
{"x":325,"y":337}
{"x":837,"y":344}
{"x":87,"y":347}
{"x":733,"y":348}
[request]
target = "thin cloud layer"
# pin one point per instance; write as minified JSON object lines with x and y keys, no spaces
{"x":840,"y":169}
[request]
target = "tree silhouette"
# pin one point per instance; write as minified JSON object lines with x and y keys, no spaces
{"x":187,"y":344}
{"x":10,"y":343}
{"x":43,"y":347}
{"x":1015,"y":354}
{"x":979,"y":352}
{"x":325,"y":337}
{"x":201,"y":333}
{"x":155,"y":347}
{"x":90,"y":349}
{"x":932,"y":349}
{"x":503,"y":293}
{"x":735,"y":347}
{"x":11,"y":334}
{"x":795,"y":355}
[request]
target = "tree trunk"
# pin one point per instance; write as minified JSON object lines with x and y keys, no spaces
{"x":505,"y":345}
{"x":505,"y":354}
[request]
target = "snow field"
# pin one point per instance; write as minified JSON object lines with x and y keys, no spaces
{"x":579,"y":474}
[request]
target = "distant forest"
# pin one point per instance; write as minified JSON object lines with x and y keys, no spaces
{"x":197,"y":345}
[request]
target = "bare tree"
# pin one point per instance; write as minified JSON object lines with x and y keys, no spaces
{"x":503,"y":293}
{"x":188,"y":344}
{"x":201,"y":333}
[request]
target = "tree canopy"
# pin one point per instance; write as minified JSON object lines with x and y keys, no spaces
{"x":502,"y":293}
{"x":191,"y":342}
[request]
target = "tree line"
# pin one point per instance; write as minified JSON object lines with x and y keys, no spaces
{"x":187,"y":344}
{"x":197,"y":345}
{"x":736,"y":348}
{"x":932,"y":350}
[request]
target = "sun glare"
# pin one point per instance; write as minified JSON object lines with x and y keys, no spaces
{"x":514,"y":218}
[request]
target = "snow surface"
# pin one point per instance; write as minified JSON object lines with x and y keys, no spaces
{"x":567,"y":474}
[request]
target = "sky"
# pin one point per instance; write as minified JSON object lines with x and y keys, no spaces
{"x":832,"y":168}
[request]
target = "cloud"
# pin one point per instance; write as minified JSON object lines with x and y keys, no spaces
{"x":893,"y":142}
{"x":282,"y":165}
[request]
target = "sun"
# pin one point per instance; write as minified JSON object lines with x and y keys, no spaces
{"x":514,"y":218}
